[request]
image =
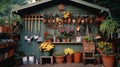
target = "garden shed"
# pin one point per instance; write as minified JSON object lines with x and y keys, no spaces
{"x":48,"y":17}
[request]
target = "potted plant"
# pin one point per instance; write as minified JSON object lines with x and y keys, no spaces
{"x":46,"y":47}
{"x":59,"y":57}
{"x":87,"y":39}
{"x":108,"y":27}
{"x":107,"y":54}
{"x":69,"y":54}
{"x":77,"y":56}
{"x":97,"y":57}
{"x":49,"y":38}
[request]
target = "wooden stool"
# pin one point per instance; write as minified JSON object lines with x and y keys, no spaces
{"x":43,"y":57}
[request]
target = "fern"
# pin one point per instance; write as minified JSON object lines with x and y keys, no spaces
{"x":108,"y":26}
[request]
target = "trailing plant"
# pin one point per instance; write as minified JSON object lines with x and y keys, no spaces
{"x":108,"y":27}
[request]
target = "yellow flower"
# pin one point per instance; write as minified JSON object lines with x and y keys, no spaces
{"x":46,"y":46}
{"x":68,"y":51}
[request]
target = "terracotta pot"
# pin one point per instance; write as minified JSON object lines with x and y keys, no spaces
{"x":69,"y":58}
{"x":79,"y":20}
{"x":67,"y":40}
{"x":65,"y":21}
{"x":59,"y":59}
{"x":64,"y":40}
{"x":44,"y":20}
{"x":10,"y":52}
{"x":57,"y":40}
{"x":69,"y":20}
{"x":108,"y":60}
{"x":77,"y":57}
{"x":49,"y":40}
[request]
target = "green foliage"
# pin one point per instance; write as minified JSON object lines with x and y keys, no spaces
{"x":108,"y":27}
{"x":97,"y":55}
{"x":49,"y":36}
{"x":88,"y":38}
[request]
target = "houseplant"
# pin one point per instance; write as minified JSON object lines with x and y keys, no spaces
{"x":69,"y":54}
{"x":46,"y":47}
{"x":87,"y":39}
{"x":59,"y":57}
{"x":49,"y":38}
{"x":108,"y":27}
{"x":107,"y":53}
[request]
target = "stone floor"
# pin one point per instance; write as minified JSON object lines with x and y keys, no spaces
{"x":61,"y":65}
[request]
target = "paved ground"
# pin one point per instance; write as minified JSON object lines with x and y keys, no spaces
{"x":61,"y":65}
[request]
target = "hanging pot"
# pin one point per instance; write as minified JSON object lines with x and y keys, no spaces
{"x":44,"y":21}
{"x":65,"y":21}
{"x":79,"y":20}
{"x":91,"y":21}
{"x":86,"y":20}
{"x":69,"y":20}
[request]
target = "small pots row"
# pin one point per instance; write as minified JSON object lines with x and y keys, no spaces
{"x":76,"y":57}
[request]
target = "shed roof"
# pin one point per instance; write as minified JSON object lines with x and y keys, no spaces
{"x":91,"y":5}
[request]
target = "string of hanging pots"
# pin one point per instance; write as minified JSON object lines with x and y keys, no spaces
{"x":66,"y":18}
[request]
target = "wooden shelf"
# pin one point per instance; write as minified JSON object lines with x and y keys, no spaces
{"x":76,"y":43}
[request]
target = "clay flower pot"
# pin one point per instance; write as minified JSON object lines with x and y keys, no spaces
{"x":59,"y":59}
{"x":69,"y":58}
{"x":108,"y":60}
{"x":77,"y":57}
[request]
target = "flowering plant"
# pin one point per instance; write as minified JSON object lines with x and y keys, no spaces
{"x":46,"y":46}
{"x":68,"y":51}
{"x":106,"y":47}
{"x":66,"y":31}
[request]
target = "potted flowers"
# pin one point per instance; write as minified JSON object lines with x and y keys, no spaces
{"x":69,"y":52}
{"x":46,"y":47}
{"x":107,"y":53}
